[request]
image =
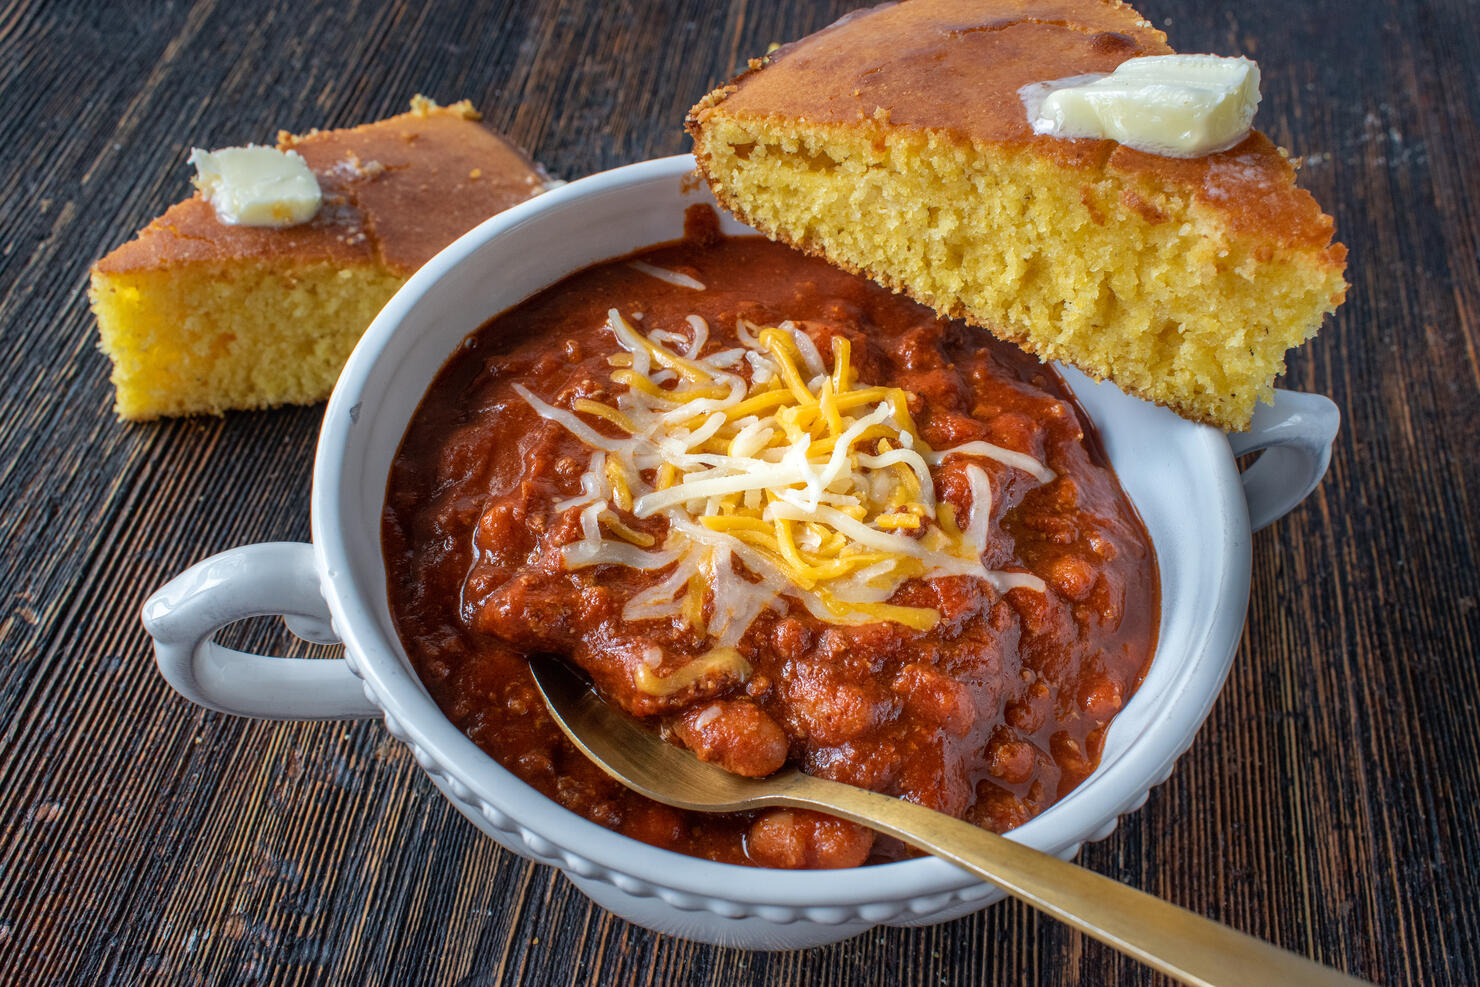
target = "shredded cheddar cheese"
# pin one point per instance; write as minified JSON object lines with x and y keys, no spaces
{"x":726,"y":662}
{"x":778,"y":478}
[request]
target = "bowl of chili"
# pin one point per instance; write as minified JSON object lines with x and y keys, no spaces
{"x":1198,"y":509}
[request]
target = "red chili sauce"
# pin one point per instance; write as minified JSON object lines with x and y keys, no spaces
{"x":991,"y":716}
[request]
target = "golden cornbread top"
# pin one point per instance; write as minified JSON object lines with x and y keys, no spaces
{"x":956,"y":66}
{"x":395,"y":192}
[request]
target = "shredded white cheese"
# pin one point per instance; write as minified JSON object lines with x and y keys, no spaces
{"x":663,"y":274}
{"x":777,"y":478}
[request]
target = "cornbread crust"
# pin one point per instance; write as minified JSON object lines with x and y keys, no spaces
{"x":200,"y":316}
{"x":895,"y":144}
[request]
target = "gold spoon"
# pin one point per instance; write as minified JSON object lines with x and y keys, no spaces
{"x":1171,"y":939}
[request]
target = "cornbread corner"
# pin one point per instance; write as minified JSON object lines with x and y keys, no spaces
{"x":198,"y":316}
{"x":894,"y":144}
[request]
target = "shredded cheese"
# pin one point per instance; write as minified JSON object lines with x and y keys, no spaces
{"x":663,"y":274}
{"x":777,"y":477}
{"x":711,"y":713}
{"x":723,"y":662}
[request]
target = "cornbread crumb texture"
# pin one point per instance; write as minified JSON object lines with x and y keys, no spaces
{"x":235,"y":333}
{"x":894,"y":143}
{"x":200,"y":316}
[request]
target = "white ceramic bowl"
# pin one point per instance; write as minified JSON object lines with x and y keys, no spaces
{"x":1182,"y":477}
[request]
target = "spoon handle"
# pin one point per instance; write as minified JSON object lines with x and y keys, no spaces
{"x":1175,"y":941}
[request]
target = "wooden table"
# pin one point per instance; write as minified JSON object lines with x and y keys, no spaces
{"x":1328,"y":803}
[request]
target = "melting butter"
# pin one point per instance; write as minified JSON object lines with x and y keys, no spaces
{"x":1180,"y":106}
{"x":257,"y":186}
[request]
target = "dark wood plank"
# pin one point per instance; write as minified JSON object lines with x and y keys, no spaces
{"x":1328,"y":804}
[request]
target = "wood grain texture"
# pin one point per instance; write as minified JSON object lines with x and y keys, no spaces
{"x":1329,"y":804}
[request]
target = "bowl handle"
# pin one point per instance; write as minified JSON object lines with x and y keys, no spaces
{"x":1295,"y":434}
{"x":252,"y":581}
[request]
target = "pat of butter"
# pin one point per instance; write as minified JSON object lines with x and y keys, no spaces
{"x":257,"y":186}
{"x":1180,"y":106}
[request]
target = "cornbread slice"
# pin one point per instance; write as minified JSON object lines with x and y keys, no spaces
{"x":894,"y":143}
{"x":199,"y":316}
